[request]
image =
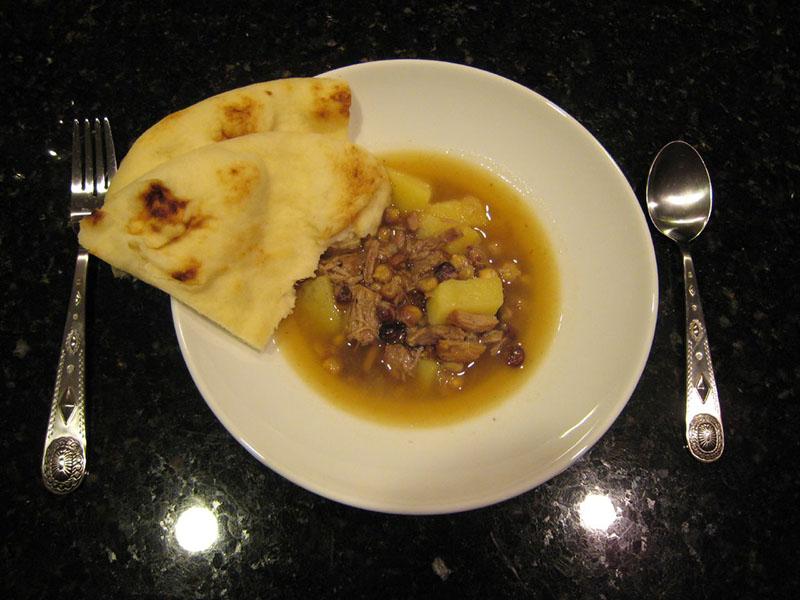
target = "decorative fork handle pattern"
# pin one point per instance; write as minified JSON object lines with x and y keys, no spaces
{"x":64,"y":459}
{"x":704,"y":432}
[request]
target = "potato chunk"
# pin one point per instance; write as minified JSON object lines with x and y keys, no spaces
{"x":409,"y":192}
{"x":463,"y":214}
{"x":481,"y":296}
{"x":316,"y":305}
{"x":431,"y":225}
{"x":465,"y":211}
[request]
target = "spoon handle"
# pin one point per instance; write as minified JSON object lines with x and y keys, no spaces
{"x":703,"y":418}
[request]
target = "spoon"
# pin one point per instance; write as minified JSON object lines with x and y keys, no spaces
{"x":679,"y":204}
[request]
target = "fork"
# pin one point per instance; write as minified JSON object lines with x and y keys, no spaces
{"x":64,"y":461}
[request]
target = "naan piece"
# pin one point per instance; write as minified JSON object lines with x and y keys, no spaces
{"x":229,"y":228}
{"x":316,"y":105}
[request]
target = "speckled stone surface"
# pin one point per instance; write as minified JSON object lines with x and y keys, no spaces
{"x":720,"y":75}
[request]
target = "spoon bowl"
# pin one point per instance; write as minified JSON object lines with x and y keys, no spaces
{"x":679,"y":192}
{"x":679,"y":204}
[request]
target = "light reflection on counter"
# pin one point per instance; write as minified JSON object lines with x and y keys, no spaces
{"x":597,"y":512}
{"x":196,"y":529}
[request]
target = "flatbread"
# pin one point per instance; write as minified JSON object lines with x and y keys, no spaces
{"x":316,"y":105}
{"x":230,"y":227}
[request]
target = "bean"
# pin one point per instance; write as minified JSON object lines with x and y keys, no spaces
{"x":382,"y":273}
{"x":385,"y":312}
{"x":417,"y":298}
{"x":392,"y":332}
{"x":384,"y":234}
{"x":391,"y":216}
{"x":410,"y":314}
{"x":445,"y":271}
{"x":344,"y":295}
{"x":516,"y":356}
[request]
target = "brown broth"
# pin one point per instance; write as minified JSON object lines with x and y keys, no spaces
{"x":534,"y":298}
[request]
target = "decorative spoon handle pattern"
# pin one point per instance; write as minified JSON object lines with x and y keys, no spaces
{"x":704,"y":432}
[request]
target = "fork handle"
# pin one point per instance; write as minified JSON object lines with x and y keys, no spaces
{"x":64,"y":459}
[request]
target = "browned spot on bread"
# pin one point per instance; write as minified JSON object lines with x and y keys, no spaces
{"x":238,"y":118}
{"x":268,"y":92}
{"x":335,"y":105}
{"x":161,"y":204}
{"x":343,"y":99}
{"x":238,"y":179}
{"x":96,"y":216}
{"x":187,"y":274}
{"x":360,"y":178}
{"x":196,"y":222}
{"x":159,"y":208}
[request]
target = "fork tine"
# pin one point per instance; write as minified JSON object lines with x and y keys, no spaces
{"x":99,"y":167}
{"x":111,"y":157}
{"x":87,"y":146}
{"x":77,"y":163}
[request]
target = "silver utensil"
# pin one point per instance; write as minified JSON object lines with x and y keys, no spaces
{"x":679,"y":204}
{"x":64,"y":460}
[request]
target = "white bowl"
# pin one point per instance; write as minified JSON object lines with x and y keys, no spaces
{"x":609,"y":298}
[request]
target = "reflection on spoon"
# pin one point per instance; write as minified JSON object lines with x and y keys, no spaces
{"x":196,"y":529}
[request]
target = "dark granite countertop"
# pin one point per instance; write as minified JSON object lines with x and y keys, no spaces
{"x":718,"y":74}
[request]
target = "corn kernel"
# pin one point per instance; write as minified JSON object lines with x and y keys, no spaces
{"x":382,"y":273}
{"x":410,"y":314}
{"x":428,"y":284}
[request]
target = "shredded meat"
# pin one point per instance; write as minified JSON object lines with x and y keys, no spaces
{"x":362,"y":320}
{"x":459,"y":351}
{"x":342,"y":268}
{"x":399,"y":260}
{"x":492,"y":337}
{"x":420,"y":248}
{"x":472,"y":321}
{"x":427,"y":336}
{"x":401,"y":361}
{"x":386,"y":250}
{"x":400,"y":238}
{"x":423,"y":266}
